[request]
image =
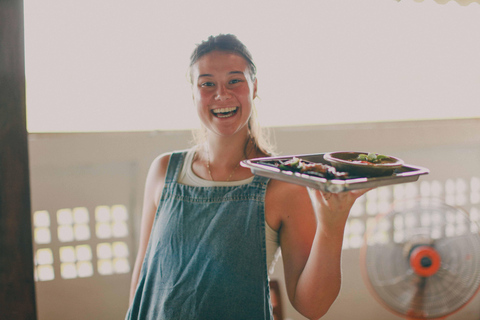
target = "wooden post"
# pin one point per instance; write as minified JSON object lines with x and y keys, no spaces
{"x":17,"y":286}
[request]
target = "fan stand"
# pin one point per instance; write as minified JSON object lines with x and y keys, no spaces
{"x":425,"y":262}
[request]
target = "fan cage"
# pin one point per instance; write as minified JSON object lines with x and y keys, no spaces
{"x":389,"y":276}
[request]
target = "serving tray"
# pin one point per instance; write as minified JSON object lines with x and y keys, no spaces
{"x":266,"y":167}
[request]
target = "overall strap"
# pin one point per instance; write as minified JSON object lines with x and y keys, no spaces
{"x":260,"y":182}
{"x":175,"y":166}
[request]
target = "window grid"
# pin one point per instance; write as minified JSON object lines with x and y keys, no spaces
{"x":459,"y":192}
{"x":66,"y":247}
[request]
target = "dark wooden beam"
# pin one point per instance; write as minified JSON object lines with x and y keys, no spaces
{"x":17,"y":286}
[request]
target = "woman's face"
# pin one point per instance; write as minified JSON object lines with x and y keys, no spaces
{"x":223,"y":92}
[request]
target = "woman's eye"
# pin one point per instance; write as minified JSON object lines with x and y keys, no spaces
{"x":207,"y":84}
{"x":235,"y":81}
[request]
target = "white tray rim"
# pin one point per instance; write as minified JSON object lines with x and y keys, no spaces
{"x":411,"y":174}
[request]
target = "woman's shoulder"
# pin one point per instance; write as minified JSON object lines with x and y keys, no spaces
{"x":159,"y":165}
{"x":161,"y":161}
{"x":156,"y":176}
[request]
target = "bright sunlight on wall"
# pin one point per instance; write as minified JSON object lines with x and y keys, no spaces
{"x":121,"y":65}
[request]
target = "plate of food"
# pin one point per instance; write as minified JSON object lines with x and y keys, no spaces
{"x":335,"y":171}
{"x":366,"y":164}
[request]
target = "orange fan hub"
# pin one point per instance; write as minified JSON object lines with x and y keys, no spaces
{"x":425,"y":261}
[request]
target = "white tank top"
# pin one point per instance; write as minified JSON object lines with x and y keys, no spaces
{"x":188,"y":177}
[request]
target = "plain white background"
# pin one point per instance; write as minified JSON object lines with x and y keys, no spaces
{"x":121,"y":65}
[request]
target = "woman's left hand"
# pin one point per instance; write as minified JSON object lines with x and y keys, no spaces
{"x":332,"y":209}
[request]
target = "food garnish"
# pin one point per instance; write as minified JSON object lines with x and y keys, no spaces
{"x":371,"y":157}
{"x":319,"y":169}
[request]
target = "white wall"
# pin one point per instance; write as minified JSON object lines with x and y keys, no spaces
{"x":91,"y":169}
{"x":366,"y":60}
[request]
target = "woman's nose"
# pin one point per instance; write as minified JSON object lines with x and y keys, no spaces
{"x":222,"y":93}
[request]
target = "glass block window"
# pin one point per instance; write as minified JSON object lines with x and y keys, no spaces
{"x":475,"y":191}
{"x":65,"y":244}
{"x":457,"y":192}
{"x":44,"y":265}
{"x":112,"y":258}
{"x":73,"y":224}
{"x":41,"y":224}
{"x":76,"y":261}
{"x":111,"y":221}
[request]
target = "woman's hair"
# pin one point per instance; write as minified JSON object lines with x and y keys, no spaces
{"x":226,"y":43}
{"x":230,"y":43}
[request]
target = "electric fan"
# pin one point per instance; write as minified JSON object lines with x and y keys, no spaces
{"x":422,"y":260}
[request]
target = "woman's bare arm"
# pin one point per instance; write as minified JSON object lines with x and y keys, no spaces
{"x":311,"y":237}
{"x":153,"y":190}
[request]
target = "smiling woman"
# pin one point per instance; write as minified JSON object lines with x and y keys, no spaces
{"x":97,"y":67}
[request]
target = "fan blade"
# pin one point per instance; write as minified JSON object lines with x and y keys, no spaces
{"x":417,"y":301}
{"x":392,"y":281}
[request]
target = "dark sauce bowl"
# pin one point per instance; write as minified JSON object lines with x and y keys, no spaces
{"x":347,"y":161}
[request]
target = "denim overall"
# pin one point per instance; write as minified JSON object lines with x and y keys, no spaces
{"x":206,"y":257}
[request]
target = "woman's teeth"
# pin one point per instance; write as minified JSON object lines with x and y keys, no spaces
{"x":224,"y":112}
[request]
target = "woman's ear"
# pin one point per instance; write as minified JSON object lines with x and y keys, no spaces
{"x":255,"y":88}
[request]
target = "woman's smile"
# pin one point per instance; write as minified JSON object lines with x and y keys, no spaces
{"x":224,"y":112}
